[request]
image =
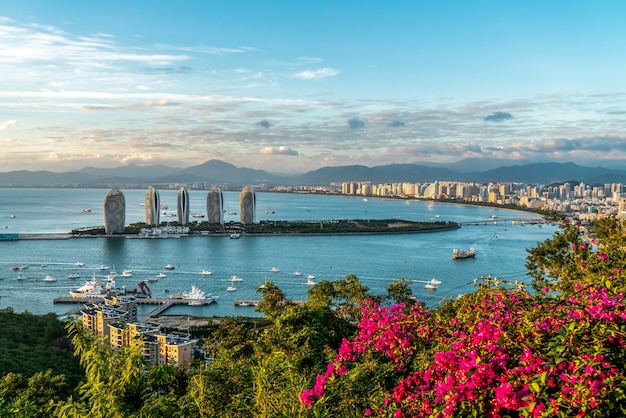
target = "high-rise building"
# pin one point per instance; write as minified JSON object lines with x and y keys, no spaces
{"x":114,"y":208}
{"x":215,"y":206}
{"x":182,"y":206}
{"x":153,"y":205}
{"x":247,"y":205}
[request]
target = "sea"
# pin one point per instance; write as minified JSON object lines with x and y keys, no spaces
{"x":500,"y":237}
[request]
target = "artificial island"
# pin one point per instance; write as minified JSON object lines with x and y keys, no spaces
{"x":213,"y":224}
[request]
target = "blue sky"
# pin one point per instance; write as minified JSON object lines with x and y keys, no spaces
{"x":289,"y":86}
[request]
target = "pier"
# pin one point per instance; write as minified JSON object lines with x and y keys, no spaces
{"x":512,"y":221}
{"x":164,"y":303}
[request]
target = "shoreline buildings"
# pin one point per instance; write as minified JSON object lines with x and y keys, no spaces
{"x":114,"y":209}
{"x":153,"y":205}
{"x":182,"y":206}
{"x":215,"y":206}
{"x":247,"y":205}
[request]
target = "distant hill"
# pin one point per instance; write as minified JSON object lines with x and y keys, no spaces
{"x":216,"y":172}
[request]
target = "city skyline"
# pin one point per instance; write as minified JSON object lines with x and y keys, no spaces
{"x":289,"y":88}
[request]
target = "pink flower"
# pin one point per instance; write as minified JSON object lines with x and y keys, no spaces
{"x":602,"y":256}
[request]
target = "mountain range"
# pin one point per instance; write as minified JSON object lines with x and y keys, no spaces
{"x":216,"y":172}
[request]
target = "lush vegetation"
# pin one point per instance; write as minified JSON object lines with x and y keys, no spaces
{"x":554,"y":348}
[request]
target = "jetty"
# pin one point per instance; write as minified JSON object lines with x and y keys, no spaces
{"x":164,"y":303}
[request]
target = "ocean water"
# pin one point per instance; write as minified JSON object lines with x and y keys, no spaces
{"x":499,"y":236}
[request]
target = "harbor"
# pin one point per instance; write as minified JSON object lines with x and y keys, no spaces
{"x":500,"y":252}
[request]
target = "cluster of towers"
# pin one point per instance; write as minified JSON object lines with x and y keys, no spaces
{"x":114,"y":208}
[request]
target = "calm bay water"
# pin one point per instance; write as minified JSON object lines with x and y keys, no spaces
{"x":377,"y":260}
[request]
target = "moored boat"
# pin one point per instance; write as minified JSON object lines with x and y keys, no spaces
{"x":93,"y":288}
{"x":195,"y":296}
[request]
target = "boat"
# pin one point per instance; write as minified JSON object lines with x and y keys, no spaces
{"x":205,"y":272}
{"x":231,"y":289}
{"x":195,"y":296}
{"x":49,"y":278}
{"x":460,"y":254}
{"x":232,"y":213}
{"x":198,"y":215}
{"x":12,"y":216}
{"x":151,"y":279}
{"x":86,"y":210}
{"x":297,"y":273}
{"x":73,"y":276}
{"x":93,"y":288}
{"x":127,"y":273}
{"x":80,"y":263}
{"x":310,"y":277}
{"x":103,"y":267}
{"x":430,"y":286}
{"x":435,"y":281}
{"x":236,"y":279}
{"x":235,"y":235}
{"x":44,"y":264}
{"x":269,"y":211}
{"x":19,"y":277}
{"x":275,"y":270}
{"x":169,"y":267}
{"x":24,"y":266}
{"x":15,"y":268}
{"x":161,"y":275}
{"x":310,"y":282}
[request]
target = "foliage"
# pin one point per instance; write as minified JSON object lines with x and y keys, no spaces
{"x":497,"y":352}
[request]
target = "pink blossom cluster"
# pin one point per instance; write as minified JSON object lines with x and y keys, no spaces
{"x":502,"y":354}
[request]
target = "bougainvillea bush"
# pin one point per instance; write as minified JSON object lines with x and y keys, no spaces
{"x":497,"y":352}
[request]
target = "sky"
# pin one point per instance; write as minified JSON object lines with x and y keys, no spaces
{"x":294,"y":86}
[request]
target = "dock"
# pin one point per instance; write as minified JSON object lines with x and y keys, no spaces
{"x":164,"y":303}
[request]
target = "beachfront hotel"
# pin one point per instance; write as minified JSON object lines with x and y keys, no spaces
{"x":247,"y":205}
{"x":215,"y":206}
{"x":153,"y":205}
{"x":114,"y":209}
{"x":182,"y":206}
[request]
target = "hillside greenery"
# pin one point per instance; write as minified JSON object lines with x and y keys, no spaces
{"x":553,"y":347}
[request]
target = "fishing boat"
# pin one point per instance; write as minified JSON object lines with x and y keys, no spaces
{"x":169,"y":267}
{"x":205,"y":272}
{"x":49,"y":278}
{"x":297,"y":273}
{"x":275,"y":270}
{"x":80,"y":263}
{"x":310,"y":277}
{"x":310,"y":282}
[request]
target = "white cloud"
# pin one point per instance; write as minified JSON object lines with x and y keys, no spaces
{"x":315,"y":74}
{"x":282,"y":150}
{"x":10,"y":124}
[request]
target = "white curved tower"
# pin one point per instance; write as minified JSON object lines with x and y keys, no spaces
{"x":182,"y":206}
{"x":114,"y":208}
{"x":247,"y":205}
{"x":153,"y":204}
{"x":215,"y":206}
